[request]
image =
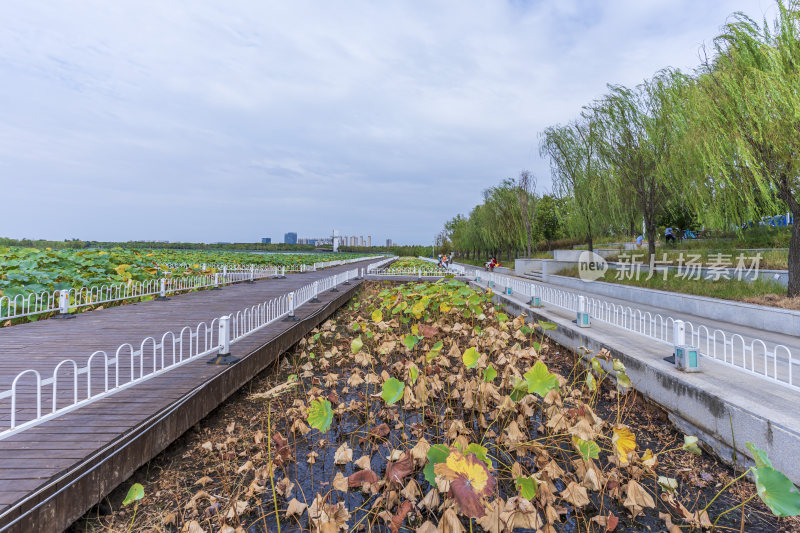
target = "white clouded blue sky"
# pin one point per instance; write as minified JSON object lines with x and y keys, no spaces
{"x":232,"y":121}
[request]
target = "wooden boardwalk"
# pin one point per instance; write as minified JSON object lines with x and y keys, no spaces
{"x":52,"y":473}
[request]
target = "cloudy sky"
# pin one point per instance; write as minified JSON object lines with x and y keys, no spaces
{"x":231,"y":121}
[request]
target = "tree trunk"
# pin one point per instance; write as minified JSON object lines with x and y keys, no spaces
{"x":589,"y":242}
{"x":794,"y":256}
{"x":651,"y":240}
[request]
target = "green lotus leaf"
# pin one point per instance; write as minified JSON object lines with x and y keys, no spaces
{"x":356,"y":344}
{"x":413,"y":373}
{"x":777,"y":491}
{"x":135,"y":493}
{"x":591,"y":384}
{"x":540,"y":380}
{"x":392,"y":391}
{"x":759,"y":456}
{"x":527,"y":487}
{"x":320,"y":415}
{"x":587,"y":448}
{"x":470,"y":357}
{"x":436,"y":454}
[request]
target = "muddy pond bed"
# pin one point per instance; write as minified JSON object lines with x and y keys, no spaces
{"x":424,"y":408}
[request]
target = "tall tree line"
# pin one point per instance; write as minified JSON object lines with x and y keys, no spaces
{"x":719,"y":145}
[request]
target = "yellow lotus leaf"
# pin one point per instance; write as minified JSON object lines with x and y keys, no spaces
{"x":624,"y":442}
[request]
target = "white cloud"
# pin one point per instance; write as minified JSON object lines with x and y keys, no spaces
{"x":231,"y":121}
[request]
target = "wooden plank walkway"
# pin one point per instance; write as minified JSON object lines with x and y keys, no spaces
{"x":52,"y":473}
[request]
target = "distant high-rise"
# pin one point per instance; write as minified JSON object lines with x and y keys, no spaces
{"x":369,"y":241}
{"x":290,"y":238}
{"x":266,"y":240}
{"x":361,"y":241}
{"x":388,"y":242}
{"x":353,"y":240}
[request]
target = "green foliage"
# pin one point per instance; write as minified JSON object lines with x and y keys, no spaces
{"x":470,"y":357}
{"x":135,"y":493}
{"x":777,"y":491}
{"x":436,"y":454}
{"x":527,"y":486}
{"x":392,"y":390}
{"x":320,"y":415}
{"x":413,"y":374}
{"x":489,"y":373}
{"x":27,"y":270}
{"x":539,"y":379}
{"x":410,"y":341}
{"x":356,"y":344}
{"x":587,"y":448}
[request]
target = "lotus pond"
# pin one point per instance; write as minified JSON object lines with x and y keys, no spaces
{"x":24,"y":270}
{"x":425,"y":408}
{"x":410,"y":263}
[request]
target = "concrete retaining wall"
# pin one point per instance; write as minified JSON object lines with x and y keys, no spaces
{"x":574,"y":255}
{"x":693,"y":406}
{"x":758,"y":316}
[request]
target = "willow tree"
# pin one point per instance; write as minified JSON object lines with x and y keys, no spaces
{"x":505,"y":217}
{"x":577,"y":174}
{"x":744,"y":112}
{"x":527,"y":199}
{"x":634,"y":128}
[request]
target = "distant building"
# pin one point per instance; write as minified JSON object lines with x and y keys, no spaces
{"x":361,"y":241}
{"x":388,"y":242}
{"x":353,"y":241}
{"x":290,"y":238}
{"x":266,"y":240}
{"x":369,"y":241}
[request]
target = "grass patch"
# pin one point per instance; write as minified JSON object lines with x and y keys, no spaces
{"x":482,"y":262}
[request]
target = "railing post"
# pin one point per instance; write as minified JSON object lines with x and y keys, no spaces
{"x":216,"y":286}
{"x":224,"y":356}
{"x":290,"y":317}
{"x":63,"y":305}
{"x":335,"y":282}
{"x":687,"y":357}
{"x":583,"y":316}
{"x":535,"y":299}
{"x":508,"y":286}
{"x":315,"y":286}
{"x":281,"y":274}
{"x":252,"y":274}
{"x":162,"y":291}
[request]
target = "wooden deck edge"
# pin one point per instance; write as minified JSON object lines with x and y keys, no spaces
{"x":57,"y":505}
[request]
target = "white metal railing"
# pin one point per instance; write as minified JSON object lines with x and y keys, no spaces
{"x":775,"y":362}
{"x":62,"y":301}
{"x":326,"y":264}
{"x":418,"y":272}
{"x":36,"y":399}
{"x":373,"y":267}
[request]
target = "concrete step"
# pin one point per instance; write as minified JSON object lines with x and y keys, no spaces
{"x":535,"y":275}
